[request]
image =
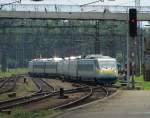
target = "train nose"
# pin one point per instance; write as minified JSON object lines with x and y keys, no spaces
{"x":107,"y":71}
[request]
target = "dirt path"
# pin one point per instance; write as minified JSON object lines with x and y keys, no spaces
{"x":128,"y":104}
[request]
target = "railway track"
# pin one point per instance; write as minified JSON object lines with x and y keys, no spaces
{"x":47,"y":91}
{"x":42,"y":85}
{"x":32,"y":98}
{"x":84,"y":99}
{"x":44,"y":90}
{"x":8,"y":85}
{"x":1,"y":80}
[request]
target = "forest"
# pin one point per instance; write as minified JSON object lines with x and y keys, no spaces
{"x":24,"y":39}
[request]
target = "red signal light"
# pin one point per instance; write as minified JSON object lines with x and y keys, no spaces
{"x":132,"y":22}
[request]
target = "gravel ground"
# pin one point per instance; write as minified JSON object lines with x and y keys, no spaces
{"x":128,"y":104}
{"x":51,"y":102}
{"x":20,"y":89}
{"x":59,"y":84}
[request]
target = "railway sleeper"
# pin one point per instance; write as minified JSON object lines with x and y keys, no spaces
{"x":12,"y":94}
{"x":6,"y":111}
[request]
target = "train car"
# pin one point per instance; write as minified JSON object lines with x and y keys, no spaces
{"x":62,"y":69}
{"x":107,"y":71}
{"x":50,"y":68}
{"x":67,"y":68}
{"x":43,"y":67}
{"x":72,"y":69}
{"x":37,"y":67}
{"x":101,"y":69}
{"x":30,"y":68}
{"x":86,"y":69}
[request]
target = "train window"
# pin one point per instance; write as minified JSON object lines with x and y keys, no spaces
{"x":38,"y":66}
{"x":85,"y":67}
{"x":107,"y":64}
{"x":96,"y":64}
{"x":51,"y":66}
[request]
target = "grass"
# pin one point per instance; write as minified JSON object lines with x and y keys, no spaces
{"x":144,"y":84}
{"x":25,"y":87}
{"x":13,"y":72}
{"x":139,"y":83}
{"x":45,"y":113}
{"x":21,"y":90}
{"x":21,"y":113}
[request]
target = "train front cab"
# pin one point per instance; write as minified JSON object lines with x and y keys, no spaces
{"x":106,"y":71}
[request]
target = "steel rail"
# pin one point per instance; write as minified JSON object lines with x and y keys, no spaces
{"x":38,"y":82}
{"x":33,"y":98}
{"x":76,"y":101}
{"x":38,"y":86}
{"x":4,"y":82}
{"x":82,"y":98}
{"x":4,"y":88}
{"x":51,"y":87}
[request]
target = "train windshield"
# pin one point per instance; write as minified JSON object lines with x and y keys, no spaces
{"x":107,"y":64}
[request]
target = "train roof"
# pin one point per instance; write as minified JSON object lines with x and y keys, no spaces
{"x":113,"y":59}
{"x":107,"y":59}
{"x":46,"y":59}
{"x":93,"y":56}
{"x":96,"y":56}
{"x":72,"y":58}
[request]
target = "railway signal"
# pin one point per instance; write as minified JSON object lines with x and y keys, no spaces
{"x":132,"y":44}
{"x":132,"y":22}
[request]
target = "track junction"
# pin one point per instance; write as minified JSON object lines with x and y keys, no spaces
{"x":48,"y":96}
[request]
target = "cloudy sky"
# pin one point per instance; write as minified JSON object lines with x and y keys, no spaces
{"x":80,"y":2}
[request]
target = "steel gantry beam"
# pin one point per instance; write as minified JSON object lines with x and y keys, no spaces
{"x":48,"y":26}
{"x":71,"y":15}
{"x":86,"y":12}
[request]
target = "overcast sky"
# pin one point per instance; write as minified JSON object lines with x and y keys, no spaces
{"x":80,"y":2}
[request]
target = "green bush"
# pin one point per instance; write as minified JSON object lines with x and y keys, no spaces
{"x":144,"y":84}
{"x":44,"y":113}
{"x":13,"y":72}
{"x":21,"y":113}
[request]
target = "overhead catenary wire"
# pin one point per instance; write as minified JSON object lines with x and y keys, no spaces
{"x":91,"y":3}
{"x":126,"y":3}
{"x":10,"y":3}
